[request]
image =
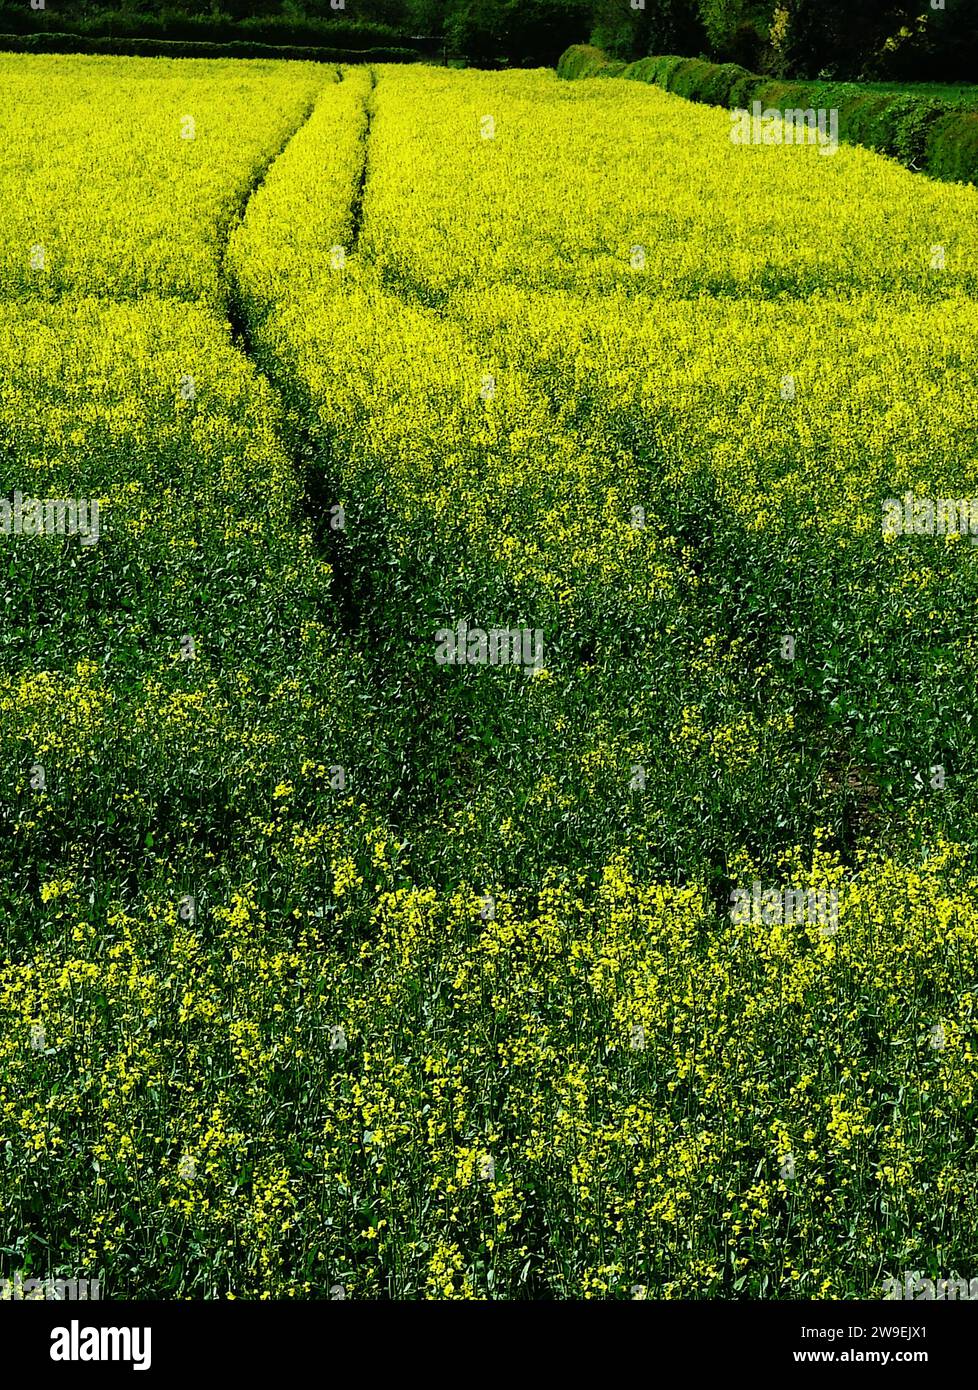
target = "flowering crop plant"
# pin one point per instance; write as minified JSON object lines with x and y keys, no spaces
{"x":329,"y":964}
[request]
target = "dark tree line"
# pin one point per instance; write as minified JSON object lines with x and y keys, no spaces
{"x":896,"y":39}
{"x":844,"y":39}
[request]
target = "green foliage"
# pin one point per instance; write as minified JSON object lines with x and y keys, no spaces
{"x":689,"y":77}
{"x":882,"y":38}
{"x":836,"y":37}
{"x":718,"y":84}
{"x":664,"y":68}
{"x":864,"y":119}
{"x":833,"y":37}
{"x":913,"y":119}
{"x":616,"y":28}
{"x":581,"y":60}
{"x":743,"y":91}
{"x":529,"y":32}
{"x":646,"y":70}
{"x":737,"y":29}
{"x":166,"y":48}
{"x":661,"y":26}
{"x":476,"y":28}
{"x":260,"y":24}
{"x":952,"y":147}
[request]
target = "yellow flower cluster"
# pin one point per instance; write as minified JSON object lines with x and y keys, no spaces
{"x":126,"y":174}
{"x":613,"y":1055}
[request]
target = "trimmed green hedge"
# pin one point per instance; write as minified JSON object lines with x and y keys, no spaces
{"x":922,"y":132}
{"x":952,"y":147}
{"x":176,"y":48}
{"x":582,"y":60}
{"x":172,"y":23}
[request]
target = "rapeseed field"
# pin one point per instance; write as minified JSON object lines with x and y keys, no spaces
{"x":333,"y":969}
